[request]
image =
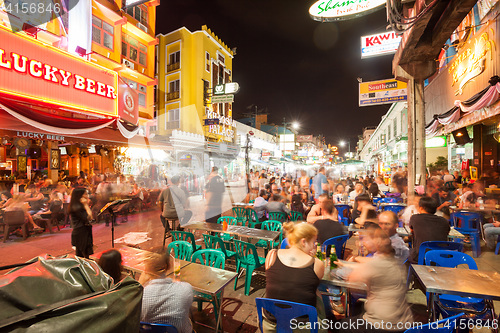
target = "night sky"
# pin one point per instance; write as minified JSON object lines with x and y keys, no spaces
{"x":290,"y":64}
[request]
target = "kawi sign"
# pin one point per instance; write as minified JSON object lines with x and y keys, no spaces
{"x":471,"y":61}
{"x":338,"y":10}
{"x":37,"y":71}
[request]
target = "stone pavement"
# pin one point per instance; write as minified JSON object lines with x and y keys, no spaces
{"x":239,"y":310}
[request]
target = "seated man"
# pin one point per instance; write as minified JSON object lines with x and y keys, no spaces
{"x":165,"y":301}
{"x":34,"y":198}
{"x":388,"y":221}
{"x":259,"y":205}
{"x":316,"y":212}
{"x":174,"y":203}
{"x":426,"y":226}
{"x":329,"y":225}
{"x":491,"y":233}
{"x":363,"y":203}
{"x":444,"y":199}
{"x":276,"y":205}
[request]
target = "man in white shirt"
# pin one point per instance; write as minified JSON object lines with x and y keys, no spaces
{"x":382,"y":187}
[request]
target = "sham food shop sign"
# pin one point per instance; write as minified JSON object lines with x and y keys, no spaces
{"x":339,"y":10}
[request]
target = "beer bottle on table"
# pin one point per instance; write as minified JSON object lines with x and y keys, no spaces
{"x":319,"y":254}
{"x":333,"y":257}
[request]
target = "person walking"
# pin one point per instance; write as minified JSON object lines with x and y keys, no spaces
{"x":215,"y":189}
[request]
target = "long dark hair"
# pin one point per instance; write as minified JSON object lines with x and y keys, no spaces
{"x":75,"y":203}
{"x":111,"y":264}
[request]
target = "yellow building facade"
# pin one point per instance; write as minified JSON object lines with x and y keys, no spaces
{"x":189,"y":65}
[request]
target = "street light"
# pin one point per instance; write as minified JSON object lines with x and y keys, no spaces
{"x":295,"y":125}
{"x":343,"y":143}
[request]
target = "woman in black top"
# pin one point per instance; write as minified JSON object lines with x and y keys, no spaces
{"x":80,"y":212}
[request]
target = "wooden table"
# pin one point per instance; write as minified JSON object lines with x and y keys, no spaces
{"x":207,"y":280}
{"x":237,"y":230}
{"x":457,"y":281}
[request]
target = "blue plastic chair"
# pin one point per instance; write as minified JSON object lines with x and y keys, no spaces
{"x":394,"y":208}
{"x":390,"y":200}
{"x":156,"y":328}
{"x":216,"y":243}
{"x":344,"y":214}
{"x":376,"y":200}
{"x":469,"y":223}
{"x":339,"y":242}
{"x":437,"y":245}
{"x":284,"y":312}
{"x":497,"y":249}
{"x":182,"y":250}
{"x":284,"y":243}
{"x":185,"y":236}
{"x":446,"y":325}
{"x":277,"y":216}
{"x":446,"y":258}
{"x":247,"y":258}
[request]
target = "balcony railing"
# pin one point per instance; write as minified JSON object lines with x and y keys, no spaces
{"x":172,"y":95}
{"x":173,"y":67}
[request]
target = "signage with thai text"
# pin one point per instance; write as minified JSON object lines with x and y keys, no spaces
{"x":471,"y":61}
{"x":222,"y":99}
{"x":382,"y":92}
{"x":304,"y":138}
{"x":337,"y":10}
{"x":379,"y":44}
{"x":37,"y":71}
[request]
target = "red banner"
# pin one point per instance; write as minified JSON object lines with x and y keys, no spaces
{"x":128,"y":103}
{"x":32,"y":69}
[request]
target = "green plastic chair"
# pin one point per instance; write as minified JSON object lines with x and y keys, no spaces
{"x":273,"y":226}
{"x":185,"y":236}
{"x":247,"y":258}
{"x":212,"y":258}
{"x":277,"y":216}
{"x":252,"y":218}
{"x":240,"y":213}
{"x":230,"y":221}
{"x":182,"y":249}
{"x":296,"y":216}
{"x":216,"y":243}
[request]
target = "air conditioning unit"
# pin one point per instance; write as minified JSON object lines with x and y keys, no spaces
{"x":142,"y":27}
{"x":129,"y":64}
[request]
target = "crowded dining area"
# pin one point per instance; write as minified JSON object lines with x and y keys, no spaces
{"x":306,"y":253}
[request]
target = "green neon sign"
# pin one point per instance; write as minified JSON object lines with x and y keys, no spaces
{"x":338,"y":10}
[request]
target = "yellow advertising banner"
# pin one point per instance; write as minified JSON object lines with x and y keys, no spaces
{"x":382,"y":92}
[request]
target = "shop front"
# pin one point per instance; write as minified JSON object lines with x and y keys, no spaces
{"x":60,"y":112}
{"x":462,"y":101}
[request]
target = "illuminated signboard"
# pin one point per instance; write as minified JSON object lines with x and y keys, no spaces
{"x":337,"y":10}
{"x":435,"y":142}
{"x":227,"y":88}
{"x":471,"y":61}
{"x":37,"y":71}
{"x":382,"y":92}
{"x":379,"y":44}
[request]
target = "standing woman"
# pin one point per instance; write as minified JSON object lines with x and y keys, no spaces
{"x":80,"y":212}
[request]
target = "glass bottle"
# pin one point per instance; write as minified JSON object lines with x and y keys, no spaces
{"x":319,"y":254}
{"x":333,"y":257}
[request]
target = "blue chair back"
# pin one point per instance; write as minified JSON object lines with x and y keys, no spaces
{"x":394,"y":208}
{"x":446,"y":258}
{"x":284,"y":312}
{"x":466,"y":220}
{"x":182,"y":250}
{"x":339,"y":242}
{"x":343,"y":213}
{"x":284,"y":243}
{"x":390,"y":200}
{"x":437,"y":245}
{"x":156,"y":328}
{"x":376,"y":200}
{"x":210,"y":257}
{"x":446,"y":325}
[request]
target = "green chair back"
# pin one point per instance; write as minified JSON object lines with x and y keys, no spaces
{"x":246,"y":257}
{"x":273,"y":226}
{"x":210,"y":257}
{"x":277,"y":216}
{"x":216,"y":243}
{"x":185,"y":236}
{"x":252,"y":218}
{"x":229,"y":219}
{"x":240,"y":213}
{"x":296,"y":216}
{"x":182,"y":249}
